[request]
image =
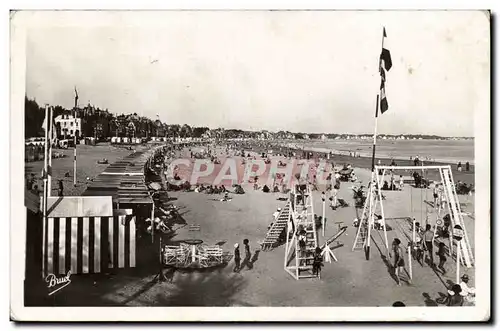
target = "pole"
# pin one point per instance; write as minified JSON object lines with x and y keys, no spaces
{"x":323,"y":217}
{"x":375,"y":136}
{"x":458,"y":260}
{"x":413,"y":231}
{"x":409,"y":261}
{"x":74,"y":151}
{"x":370,"y":218}
{"x":153,"y":220}
{"x":45,"y":195}
{"x":371,"y":195}
{"x":49,"y":169}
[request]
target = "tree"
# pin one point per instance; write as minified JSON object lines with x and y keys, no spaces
{"x":198,"y":132}
{"x":174,"y":130}
{"x":185,"y":131}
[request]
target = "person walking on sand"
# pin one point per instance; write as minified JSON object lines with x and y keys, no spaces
{"x":401,"y":183}
{"x":399,"y":262}
{"x":317,"y":262}
{"x":333,"y":198}
{"x":248,"y":255}
{"x":441,"y":253}
{"x":435,"y":194}
{"x":468,"y":292}
{"x":429,"y":249}
{"x":237,"y":257}
{"x":459,"y":166}
{"x":60,"y":191}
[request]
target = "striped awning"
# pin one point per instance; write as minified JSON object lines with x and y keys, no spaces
{"x":76,"y":206}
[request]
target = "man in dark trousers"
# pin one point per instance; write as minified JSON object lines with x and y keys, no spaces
{"x":248,"y":255}
{"x":428,"y":239}
{"x":237,"y":258}
{"x":61,"y":188}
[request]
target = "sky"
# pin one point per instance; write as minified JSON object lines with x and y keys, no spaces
{"x":302,"y":71}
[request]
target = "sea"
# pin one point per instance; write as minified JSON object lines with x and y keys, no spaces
{"x":449,"y":151}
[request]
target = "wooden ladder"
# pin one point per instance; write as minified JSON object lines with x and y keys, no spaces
{"x":456,"y":216}
{"x":304,"y":260}
{"x":362,"y":233}
{"x":276,"y":231}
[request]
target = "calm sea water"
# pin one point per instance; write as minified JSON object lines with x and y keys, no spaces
{"x":437,"y":150}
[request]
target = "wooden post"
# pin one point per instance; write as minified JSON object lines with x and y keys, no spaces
{"x":458,"y":261}
{"x":153,"y":224}
{"x":409,"y":261}
{"x":45,"y":194}
{"x":74,"y":159}
{"x":49,"y":168}
{"x":413,"y":231}
{"x":323,"y":222}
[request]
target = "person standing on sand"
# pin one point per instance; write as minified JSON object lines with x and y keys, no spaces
{"x":61,"y":188}
{"x":401,"y":182}
{"x":435,"y":194}
{"x":467,"y":166}
{"x":317,"y":262}
{"x":248,"y":255}
{"x":333,"y":198}
{"x":441,"y":253}
{"x":428,"y":239}
{"x":237,"y":258}
{"x":459,"y":166}
{"x":399,"y":262}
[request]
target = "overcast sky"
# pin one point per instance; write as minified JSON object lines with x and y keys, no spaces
{"x":305,"y":71}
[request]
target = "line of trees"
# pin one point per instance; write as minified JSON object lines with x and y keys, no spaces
{"x":100,"y":123}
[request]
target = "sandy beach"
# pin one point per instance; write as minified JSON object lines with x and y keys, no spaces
{"x":352,"y":281}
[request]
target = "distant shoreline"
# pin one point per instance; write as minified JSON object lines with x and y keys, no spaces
{"x":365,"y":162}
{"x":364,"y":150}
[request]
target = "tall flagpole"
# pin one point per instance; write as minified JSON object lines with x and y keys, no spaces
{"x":49,"y":169}
{"x":45,"y":190}
{"x":372,"y":187}
{"x":74,"y":151}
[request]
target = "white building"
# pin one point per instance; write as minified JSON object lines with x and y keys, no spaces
{"x":69,"y":125}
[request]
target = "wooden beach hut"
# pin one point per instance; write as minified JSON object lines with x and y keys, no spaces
{"x":85,"y":235}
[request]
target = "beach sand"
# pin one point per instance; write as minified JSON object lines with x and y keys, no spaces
{"x":87,"y":166}
{"x":352,"y":281}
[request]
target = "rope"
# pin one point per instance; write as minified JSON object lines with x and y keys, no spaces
{"x":421,"y":207}
{"x":411,"y":201}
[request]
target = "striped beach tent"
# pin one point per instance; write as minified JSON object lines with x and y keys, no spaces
{"x":85,"y":235}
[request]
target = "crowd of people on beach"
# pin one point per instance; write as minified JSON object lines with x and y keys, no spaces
{"x":422,"y":248}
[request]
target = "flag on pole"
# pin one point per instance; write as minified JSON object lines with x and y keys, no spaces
{"x":385,"y":56}
{"x":76,"y":97}
{"x":383,"y":99}
{"x":51,"y":128}
{"x":51,"y":136}
{"x":385,"y":65}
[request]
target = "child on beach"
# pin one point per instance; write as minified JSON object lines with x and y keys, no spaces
{"x":468,"y":292}
{"x":435,"y":194}
{"x":333,"y":198}
{"x":302,"y":241}
{"x":428,"y":239}
{"x":399,"y":262}
{"x":237,"y":258}
{"x":418,"y":249}
{"x":248,"y":255}
{"x":442,"y":257}
{"x":317,"y":262}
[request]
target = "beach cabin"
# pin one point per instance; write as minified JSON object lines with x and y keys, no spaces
{"x":85,"y":235}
